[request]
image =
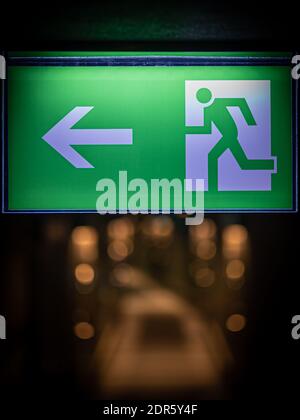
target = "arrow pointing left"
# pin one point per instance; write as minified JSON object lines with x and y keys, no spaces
{"x":62,"y":136}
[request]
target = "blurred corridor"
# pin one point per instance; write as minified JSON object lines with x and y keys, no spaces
{"x":130,"y":306}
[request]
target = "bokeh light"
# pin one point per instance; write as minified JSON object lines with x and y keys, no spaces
{"x":120,"y":229}
{"x":205,"y":277}
{"x":158,"y":227}
{"x":84,"y":235}
{"x":206,"y":230}
{"x":84,"y":330}
{"x":84,"y":273}
{"x":85,"y":243}
{"x":119,"y":250}
{"x":234,"y":241}
{"x":122,"y":275}
{"x":235,"y":269}
{"x":236,"y":322}
{"x":206,"y":249}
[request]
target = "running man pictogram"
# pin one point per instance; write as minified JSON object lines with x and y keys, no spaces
{"x":216,"y":111}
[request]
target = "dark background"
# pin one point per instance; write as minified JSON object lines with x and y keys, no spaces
{"x":160,"y":25}
{"x":270,"y":362}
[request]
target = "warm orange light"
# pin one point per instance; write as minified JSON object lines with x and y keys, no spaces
{"x":207,"y":230}
{"x":120,"y":229}
{"x":162,"y":227}
{"x":234,"y":241}
{"x":84,"y":330}
{"x":235,"y":269}
{"x":235,"y":235}
{"x":236,"y":322}
{"x":205,"y":277}
{"x":123,"y":274}
{"x":158,"y":227}
{"x":84,"y":235}
{"x":85,"y":243}
{"x":206,"y":249}
{"x":84,"y":273}
{"x":119,"y":250}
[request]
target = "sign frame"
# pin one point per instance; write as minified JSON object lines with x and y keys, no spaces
{"x":152,"y":59}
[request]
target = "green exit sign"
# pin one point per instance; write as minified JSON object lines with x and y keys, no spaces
{"x":72,"y":119}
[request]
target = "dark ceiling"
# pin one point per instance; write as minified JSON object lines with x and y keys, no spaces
{"x":205,"y":24}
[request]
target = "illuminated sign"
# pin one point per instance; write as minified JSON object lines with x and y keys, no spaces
{"x":72,"y":119}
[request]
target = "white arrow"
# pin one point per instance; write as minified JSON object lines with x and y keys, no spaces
{"x":62,"y":136}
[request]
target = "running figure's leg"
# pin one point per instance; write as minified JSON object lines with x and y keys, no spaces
{"x":245,"y":163}
{"x":213,"y":157}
